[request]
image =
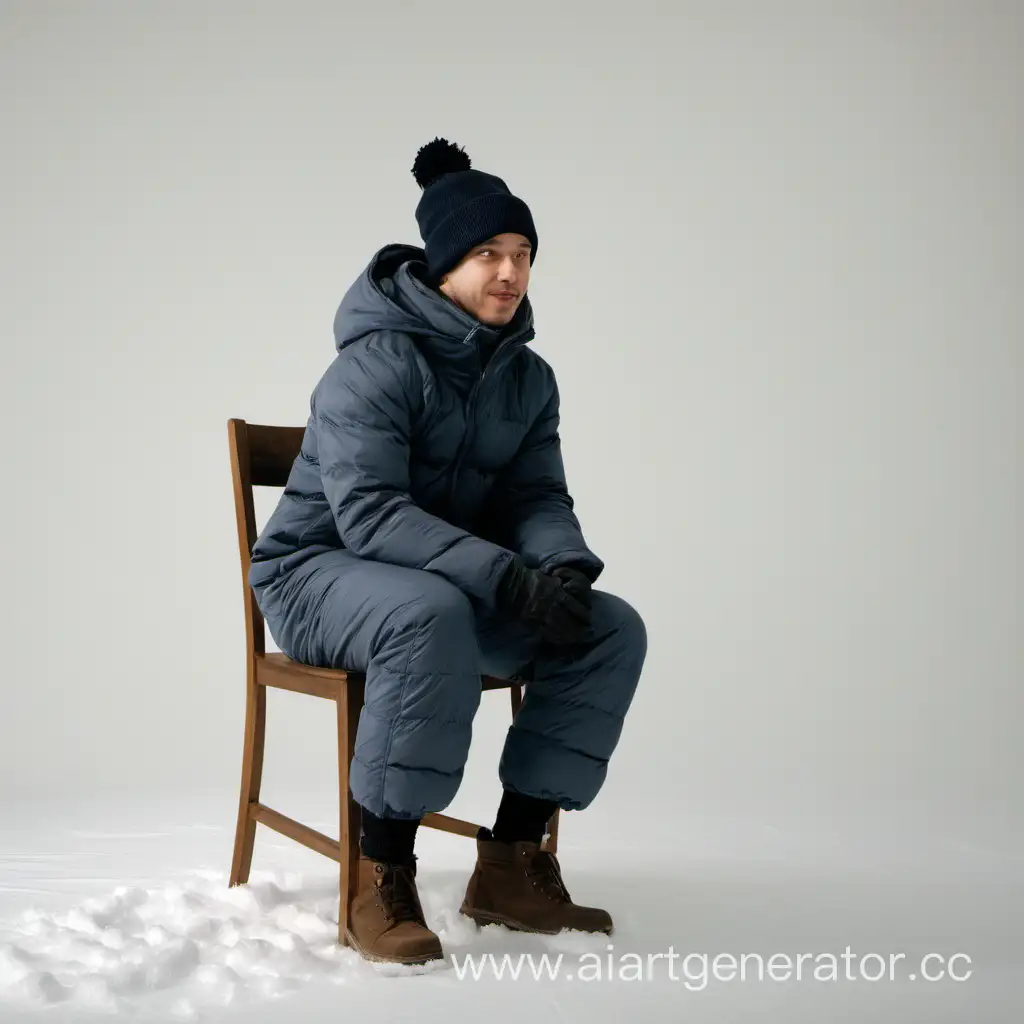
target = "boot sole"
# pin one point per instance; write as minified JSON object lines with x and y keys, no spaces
{"x":485,"y":917}
{"x":410,"y":961}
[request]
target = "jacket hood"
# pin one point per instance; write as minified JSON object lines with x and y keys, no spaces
{"x":391,"y":294}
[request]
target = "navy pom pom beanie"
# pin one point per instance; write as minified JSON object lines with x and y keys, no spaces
{"x":462,"y":207}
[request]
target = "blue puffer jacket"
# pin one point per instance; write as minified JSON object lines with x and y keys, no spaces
{"x":418,"y":454}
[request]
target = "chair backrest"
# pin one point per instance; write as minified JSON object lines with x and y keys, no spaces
{"x":261,"y":456}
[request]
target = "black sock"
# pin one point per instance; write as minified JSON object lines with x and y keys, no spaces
{"x":390,"y":840}
{"x":522,"y":818}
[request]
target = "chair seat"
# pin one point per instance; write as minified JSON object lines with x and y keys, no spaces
{"x":283,"y":663}
{"x":280,"y":671}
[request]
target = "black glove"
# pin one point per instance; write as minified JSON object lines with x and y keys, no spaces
{"x":575,"y":582}
{"x":538,"y":597}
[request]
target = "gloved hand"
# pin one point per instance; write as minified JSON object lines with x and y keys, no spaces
{"x":576,"y":582}
{"x":542,"y":598}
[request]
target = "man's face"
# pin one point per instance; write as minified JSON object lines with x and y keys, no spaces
{"x":490,"y":281}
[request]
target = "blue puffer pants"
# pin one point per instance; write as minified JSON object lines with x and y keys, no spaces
{"x":423,"y":649}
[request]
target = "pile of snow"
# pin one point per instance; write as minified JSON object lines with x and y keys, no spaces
{"x":198,"y":945}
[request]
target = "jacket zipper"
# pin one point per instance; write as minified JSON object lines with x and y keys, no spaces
{"x":471,"y":412}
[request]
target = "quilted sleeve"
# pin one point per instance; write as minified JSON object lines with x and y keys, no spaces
{"x":533,"y":501}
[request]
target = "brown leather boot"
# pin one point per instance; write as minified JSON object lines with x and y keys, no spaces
{"x":386,"y":920}
{"x":520,"y":886}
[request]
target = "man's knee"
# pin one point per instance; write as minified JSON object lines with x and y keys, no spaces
{"x":434,"y":609}
{"x":614,"y":617}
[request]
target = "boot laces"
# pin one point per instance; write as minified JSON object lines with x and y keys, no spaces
{"x":399,"y":896}
{"x":544,"y":872}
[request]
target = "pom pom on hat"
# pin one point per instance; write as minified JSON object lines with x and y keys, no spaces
{"x":437,"y":158}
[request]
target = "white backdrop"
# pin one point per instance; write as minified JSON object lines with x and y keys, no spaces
{"x":778,"y":277}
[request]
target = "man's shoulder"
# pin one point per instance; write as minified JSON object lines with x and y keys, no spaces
{"x":537,"y":379}
{"x":383,"y":344}
{"x":534,"y":365}
{"x":382,"y":351}
{"x":385,"y":359}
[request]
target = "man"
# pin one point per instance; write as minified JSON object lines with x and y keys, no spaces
{"x":425,"y":537}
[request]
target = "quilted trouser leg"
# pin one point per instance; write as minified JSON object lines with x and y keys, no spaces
{"x":574,"y":705}
{"x":413,"y":634}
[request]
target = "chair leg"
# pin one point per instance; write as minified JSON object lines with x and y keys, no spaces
{"x":252,"y":773}
{"x":350,"y":702}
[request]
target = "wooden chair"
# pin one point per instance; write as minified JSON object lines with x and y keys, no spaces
{"x":262,"y":456}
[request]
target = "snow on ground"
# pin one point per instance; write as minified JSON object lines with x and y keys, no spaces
{"x":126,"y":911}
